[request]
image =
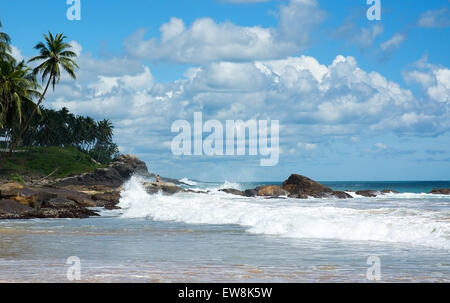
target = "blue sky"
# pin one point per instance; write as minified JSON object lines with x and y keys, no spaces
{"x":356,"y":99}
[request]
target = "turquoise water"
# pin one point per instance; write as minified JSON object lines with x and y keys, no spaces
{"x":218,"y":237}
{"x":400,"y":186}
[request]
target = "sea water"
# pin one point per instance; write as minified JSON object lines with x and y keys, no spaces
{"x":218,"y":237}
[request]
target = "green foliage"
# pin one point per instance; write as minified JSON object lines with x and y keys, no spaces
{"x":54,"y":55}
{"x":45,"y":160}
{"x":18,"y":88}
{"x":5,"y":48}
{"x":62,"y":128}
{"x":16,"y":178}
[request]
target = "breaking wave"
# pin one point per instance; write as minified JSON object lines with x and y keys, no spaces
{"x":291,"y":217}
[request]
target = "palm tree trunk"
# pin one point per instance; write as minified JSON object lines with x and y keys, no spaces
{"x":25,"y":127}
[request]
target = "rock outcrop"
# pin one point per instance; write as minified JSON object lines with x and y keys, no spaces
{"x":260,"y":191}
{"x":112,"y":176}
{"x":296,"y":186}
{"x":368,"y":193}
{"x":165,"y":187}
{"x":23,"y":202}
{"x":271,"y":191}
{"x":303,"y":187}
{"x":440,"y":191}
{"x":73,"y":196}
{"x":19,"y":201}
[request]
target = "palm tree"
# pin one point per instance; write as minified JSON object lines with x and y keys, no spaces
{"x":17,"y":89}
{"x":54,"y":54}
{"x":5,"y":48}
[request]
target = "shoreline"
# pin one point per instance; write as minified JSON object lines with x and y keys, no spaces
{"x":76,"y":196}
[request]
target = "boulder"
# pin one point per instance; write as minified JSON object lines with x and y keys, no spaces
{"x":440,"y":191}
{"x":113,"y":176}
{"x":342,"y":195}
{"x":11,"y":209}
{"x":81,"y":200}
{"x":303,"y":187}
{"x":250,"y":193}
{"x":165,"y":187}
{"x":368,"y":193}
{"x":108,"y":200}
{"x":64,"y":208}
{"x":64,"y":212}
{"x":10,"y":189}
{"x":60,"y":203}
{"x":271,"y":191}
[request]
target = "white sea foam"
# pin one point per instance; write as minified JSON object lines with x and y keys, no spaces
{"x":228,"y":184}
{"x":188,"y":182}
{"x":292,"y":218}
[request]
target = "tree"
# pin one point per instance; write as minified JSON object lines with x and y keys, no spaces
{"x":62,"y":128}
{"x":5,"y":48}
{"x":54,"y":55}
{"x":17,"y":89}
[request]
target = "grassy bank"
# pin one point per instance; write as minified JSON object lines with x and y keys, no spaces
{"x":45,"y":160}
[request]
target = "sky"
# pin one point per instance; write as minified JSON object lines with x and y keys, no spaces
{"x":356,"y":99}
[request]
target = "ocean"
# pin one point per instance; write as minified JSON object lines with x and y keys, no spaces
{"x":218,"y":237}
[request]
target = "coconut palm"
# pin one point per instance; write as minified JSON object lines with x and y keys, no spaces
{"x":5,"y":48}
{"x":17,"y":89}
{"x":54,"y":55}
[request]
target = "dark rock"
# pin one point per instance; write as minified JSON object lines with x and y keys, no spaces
{"x":81,"y":199}
{"x":302,"y":187}
{"x":64,"y":208}
{"x":250,"y":193}
{"x":11,"y":209}
{"x":45,"y":196}
{"x":113,"y":176}
{"x":108,"y":196}
{"x":342,"y":195}
{"x":196,"y":191}
{"x":367,"y":193}
{"x":165,"y":187}
{"x":128,"y":165}
{"x":108,"y":200}
{"x":440,"y":191}
{"x":59,"y":203}
{"x":45,"y":202}
{"x":233,"y":191}
{"x":60,"y":213}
